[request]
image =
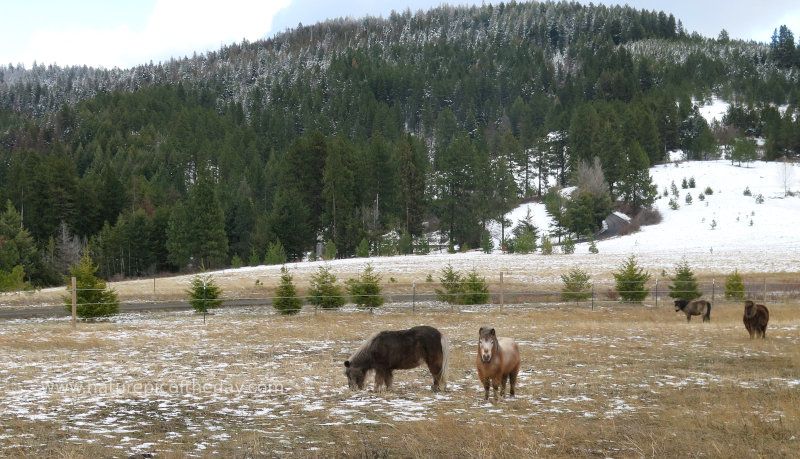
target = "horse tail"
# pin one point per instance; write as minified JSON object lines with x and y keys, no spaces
{"x":708,"y":311}
{"x":445,"y":358}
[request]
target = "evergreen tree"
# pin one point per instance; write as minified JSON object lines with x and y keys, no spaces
{"x":684,"y":284}
{"x":276,"y":254}
{"x":92,"y":296}
{"x":630,"y":281}
{"x":204,"y":293}
{"x":453,"y":284}
{"x":286,"y":300}
{"x":474,"y":288}
{"x":576,"y":285}
{"x":362,"y":251}
{"x":323,"y":291}
{"x":365,"y":290}
{"x":734,"y":287}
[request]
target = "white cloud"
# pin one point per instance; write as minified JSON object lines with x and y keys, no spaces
{"x":175,"y":28}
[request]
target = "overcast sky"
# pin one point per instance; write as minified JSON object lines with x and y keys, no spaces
{"x":125,"y":33}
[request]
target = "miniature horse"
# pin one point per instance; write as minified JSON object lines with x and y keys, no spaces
{"x":694,"y":308}
{"x":386,"y":351}
{"x":498,"y":361}
{"x":755,"y":319}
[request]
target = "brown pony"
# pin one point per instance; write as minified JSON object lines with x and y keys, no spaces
{"x":498,"y":361}
{"x":694,"y":308}
{"x":755,"y":319}
{"x":387,"y":351}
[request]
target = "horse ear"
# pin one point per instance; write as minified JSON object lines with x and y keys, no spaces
{"x":347,"y":364}
{"x":491,"y":332}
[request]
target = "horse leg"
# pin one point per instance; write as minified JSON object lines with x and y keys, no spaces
{"x":688,"y":317}
{"x":512,"y":379}
{"x":503,"y":385}
{"x":486,"y":388}
{"x":380,"y":379}
{"x":436,"y":371}
{"x":495,"y":384}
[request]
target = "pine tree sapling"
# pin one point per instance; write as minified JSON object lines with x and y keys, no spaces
{"x":365,"y":290}
{"x":286,"y":300}
{"x":475,"y":289}
{"x":362,"y":251}
{"x":330,"y":251}
{"x":276,"y":254}
{"x":204,"y":293}
{"x":734,"y":287}
{"x":684,"y":284}
{"x":568,"y":247}
{"x":576,"y":285}
{"x":324,"y":292}
{"x":452,"y":282}
{"x":93,"y":298}
{"x":631,"y":280}
{"x":547,"y":246}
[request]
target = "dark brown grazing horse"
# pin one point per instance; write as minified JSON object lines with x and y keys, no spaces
{"x":498,"y":361}
{"x":387,"y":351}
{"x":755,"y":319}
{"x":694,"y":308}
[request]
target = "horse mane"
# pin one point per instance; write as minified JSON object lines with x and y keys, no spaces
{"x":360,"y":354}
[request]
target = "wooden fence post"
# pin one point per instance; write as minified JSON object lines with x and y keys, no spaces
{"x":74,"y":301}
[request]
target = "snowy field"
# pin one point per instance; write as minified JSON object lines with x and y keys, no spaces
{"x":625,"y":381}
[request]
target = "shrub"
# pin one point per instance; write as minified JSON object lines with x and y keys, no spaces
{"x":684,"y":284}
{"x":14,"y":280}
{"x":734,"y":287}
{"x":674,"y":189}
{"x":684,"y":183}
{"x":760,"y":199}
{"x":365,"y":291}
{"x":701,"y":197}
{"x":692,"y":183}
{"x":323,"y":291}
{"x":708,"y":191}
{"x":747,"y":191}
{"x":236,"y":261}
{"x":92,"y":297}
{"x":688,"y":198}
{"x":630,"y":281}
{"x":576,"y":285}
{"x":204,"y":293}
{"x":286,"y":300}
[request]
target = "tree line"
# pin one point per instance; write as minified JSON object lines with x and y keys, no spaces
{"x":346,"y":132}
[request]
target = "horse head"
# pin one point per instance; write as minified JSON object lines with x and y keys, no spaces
{"x":355,"y":376}
{"x":487,"y":343}
{"x":680,"y":304}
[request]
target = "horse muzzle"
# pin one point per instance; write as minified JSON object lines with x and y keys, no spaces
{"x":486,"y":358}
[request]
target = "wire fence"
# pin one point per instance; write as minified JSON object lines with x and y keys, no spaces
{"x":433,"y":295}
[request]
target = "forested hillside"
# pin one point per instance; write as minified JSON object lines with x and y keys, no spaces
{"x":367,"y":134}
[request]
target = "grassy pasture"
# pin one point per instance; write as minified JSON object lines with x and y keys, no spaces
{"x":618,"y":381}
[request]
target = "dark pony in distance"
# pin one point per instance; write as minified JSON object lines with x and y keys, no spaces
{"x":386,"y":351}
{"x":694,"y":308}
{"x":498,"y":361}
{"x":755,"y":319}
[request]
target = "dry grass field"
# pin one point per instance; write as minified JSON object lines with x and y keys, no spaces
{"x":616,"y":381}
